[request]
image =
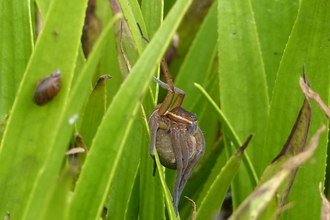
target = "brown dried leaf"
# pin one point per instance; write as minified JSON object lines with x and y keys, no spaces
{"x":193,"y":216}
{"x":260,"y":198}
{"x":325,"y":214}
{"x":309,"y":93}
{"x":92,"y":28}
{"x":294,"y":145}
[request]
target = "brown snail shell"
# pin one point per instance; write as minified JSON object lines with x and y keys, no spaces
{"x":47,"y":88}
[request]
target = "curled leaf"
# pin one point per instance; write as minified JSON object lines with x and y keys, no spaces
{"x":325,"y":213}
{"x":193,"y":216}
{"x":309,"y":93}
{"x":252,"y":207}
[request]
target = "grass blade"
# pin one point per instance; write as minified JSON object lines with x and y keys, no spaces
{"x":312,"y":50}
{"x":100,"y":167}
{"x":16,"y":43}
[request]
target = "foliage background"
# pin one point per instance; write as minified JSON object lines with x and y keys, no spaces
{"x":247,"y":55}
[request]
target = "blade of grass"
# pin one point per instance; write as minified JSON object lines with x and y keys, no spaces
{"x":168,"y":196}
{"x":94,"y":111}
{"x":274,"y":20}
{"x":212,"y":202}
{"x":188,"y":29}
{"x":295,"y":144}
{"x":227,"y":128}
{"x":243,"y":92}
{"x":16,"y":43}
{"x":133,"y":14}
{"x":197,"y":68}
{"x":75,"y":104}
{"x":120,"y":190}
{"x":153,"y":13}
{"x":209,"y":124}
{"x":161,"y":173}
{"x":152,"y":201}
{"x":309,"y":45}
{"x":57,"y":207}
{"x":100,"y":167}
{"x":252,"y":206}
{"x":31,"y":128}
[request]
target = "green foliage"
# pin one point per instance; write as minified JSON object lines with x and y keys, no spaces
{"x":239,"y":63}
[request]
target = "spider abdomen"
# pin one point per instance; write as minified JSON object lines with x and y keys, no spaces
{"x":165,"y":145}
{"x":165,"y":149}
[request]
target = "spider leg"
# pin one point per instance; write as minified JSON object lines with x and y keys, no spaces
{"x":169,"y":80}
{"x":179,"y":166}
{"x":153,"y":125}
{"x":166,"y":86}
{"x":181,"y":150}
{"x":170,"y":95}
{"x":200,"y":148}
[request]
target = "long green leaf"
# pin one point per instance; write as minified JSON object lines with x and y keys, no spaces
{"x":243,"y":91}
{"x":197,"y":68}
{"x":58,"y":198}
{"x":94,"y":111}
{"x":31,"y":128}
{"x":188,"y":29}
{"x":255,"y":203}
{"x":309,"y":45}
{"x":295,"y":144}
{"x":62,"y":136}
{"x":151,"y":196}
{"x":274,"y":21}
{"x":16,"y":42}
{"x":212,"y":202}
{"x":121,"y":187}
{"x":107,"y":148}
{"x":227,"y":127}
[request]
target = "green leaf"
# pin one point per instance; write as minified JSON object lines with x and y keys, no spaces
{"x":32,"y":129}
{"x":151,"y":194}
{"x":94,"y":111}
{"x":16,"y":42}
{"x":212,"y":202}
{"x":195,"y":67}
{"x":153,"y":13}
{"x":57,"y":200}
{"x":309,"y":45}
{"x":107,"y":147}
{"x":120,"y":191}
{"x":188,"y":29}
{"x":274,"y":20}
{"x":227,"y":127}
{"x":295,"y":144}
{"x":76,"y":101}
{"x":252,"y":206}
{"x":168,"y":196}
{"x":243,"y":91}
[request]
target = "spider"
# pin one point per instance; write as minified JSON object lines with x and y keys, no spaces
{"x":175,"y":133}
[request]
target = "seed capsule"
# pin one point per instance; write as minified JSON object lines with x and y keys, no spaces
{"x":47,"y":88}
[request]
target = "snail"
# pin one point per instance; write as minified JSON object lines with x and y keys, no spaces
{"x":47,"y":88}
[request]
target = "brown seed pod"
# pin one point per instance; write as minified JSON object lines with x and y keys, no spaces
{"x":47,"y":88}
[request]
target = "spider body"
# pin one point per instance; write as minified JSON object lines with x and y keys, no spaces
{"x":178,"y":122}
{"x":178,"y":139}
{"x":175,"y":133}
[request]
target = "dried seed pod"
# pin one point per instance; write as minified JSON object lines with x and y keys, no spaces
{"x":47,"y":88}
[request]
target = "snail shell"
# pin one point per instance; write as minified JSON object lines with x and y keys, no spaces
{"x":47,"y":88}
